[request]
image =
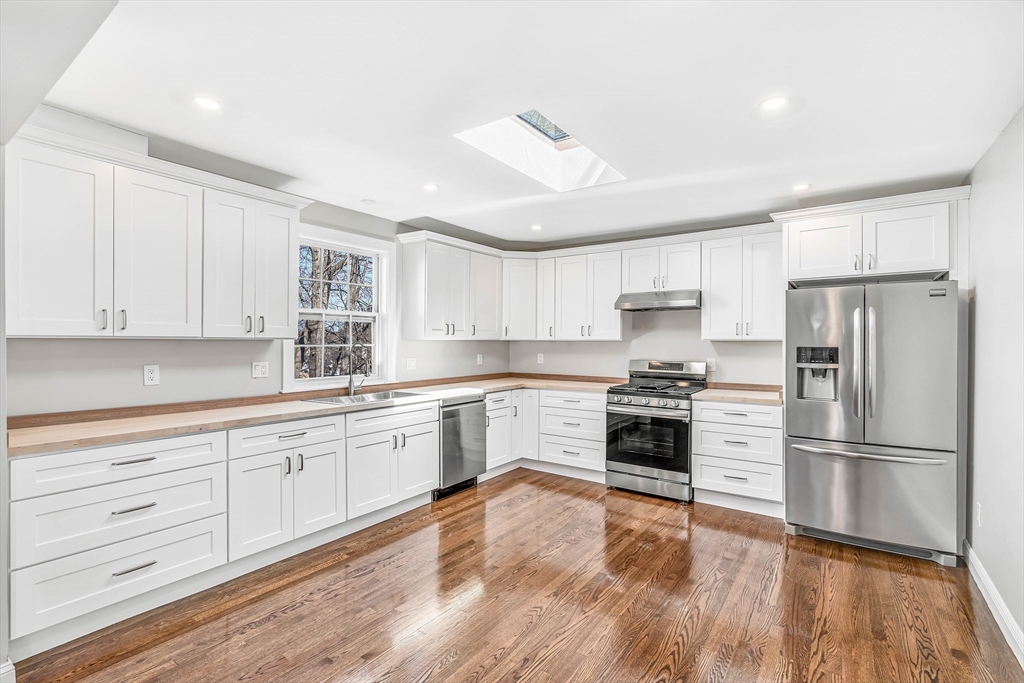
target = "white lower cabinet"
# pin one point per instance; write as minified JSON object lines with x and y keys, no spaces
{"x":572,"y":428}
{"x":419,"y":458}
{"x":319,"y":487}
{"x":372,"y":472}
{"x":499,"y":437}
{"x":530,"y":421}
{"x":573,"y":452}
{"x":738,"y":449}
{"x":517,"y":424}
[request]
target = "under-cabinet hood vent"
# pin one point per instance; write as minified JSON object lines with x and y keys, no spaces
{"x":675,"y":300}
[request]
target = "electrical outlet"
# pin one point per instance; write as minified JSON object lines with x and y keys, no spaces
{"x":479,"y":359}
{"x":711,"y":364}
{"x":410,"y":363}
{"x":260,"y":370}
{"x":150,"y":375}
{"x":540,"y":358}
{"x":978,"y":513}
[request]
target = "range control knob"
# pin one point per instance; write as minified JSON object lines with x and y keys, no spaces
{"x":617,"y":399}
{"x":645,"y":401}
{"x":674,"y":404}
{"x":629,"y":399}
{"x":662,"y":402}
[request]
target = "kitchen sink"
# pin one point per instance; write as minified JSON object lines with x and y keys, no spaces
{"x":362,"y":399}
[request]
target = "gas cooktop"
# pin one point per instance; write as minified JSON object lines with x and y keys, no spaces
{"x":661,"y":384}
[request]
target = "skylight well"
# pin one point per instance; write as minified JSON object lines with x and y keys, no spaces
{"x":534,"y":145}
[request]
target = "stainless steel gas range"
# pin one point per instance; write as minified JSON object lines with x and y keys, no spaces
{"x":648,"y":445}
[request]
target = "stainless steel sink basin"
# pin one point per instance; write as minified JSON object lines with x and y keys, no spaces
{"x":362,"y":399}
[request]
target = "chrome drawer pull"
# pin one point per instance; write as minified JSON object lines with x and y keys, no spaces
{"x":132,"y":462}
{"x":296,"y":435}
{"x":737,"y":414}
{"x":497,"y":400}
{"x":730,"y":476}
{"x":570,"y":400}
{"x":738,"y":443}
{"x":570,"y":452}
{"x":135,"y":569}
{"x":134,"y":509}
{"x":572,"y":424}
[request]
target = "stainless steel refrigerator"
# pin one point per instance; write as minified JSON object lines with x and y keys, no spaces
{"x":875,"y":416}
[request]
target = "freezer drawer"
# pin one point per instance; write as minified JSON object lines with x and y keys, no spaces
{"x":893,"y":495}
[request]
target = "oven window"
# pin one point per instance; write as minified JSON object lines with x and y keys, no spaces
{"x":647,"y":441}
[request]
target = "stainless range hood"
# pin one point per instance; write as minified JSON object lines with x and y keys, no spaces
{"x":675,"y":300}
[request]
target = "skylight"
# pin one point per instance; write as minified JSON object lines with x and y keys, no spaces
{"x":534,"y":145}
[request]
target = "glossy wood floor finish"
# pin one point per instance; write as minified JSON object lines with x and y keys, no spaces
{"x":538,"y":578}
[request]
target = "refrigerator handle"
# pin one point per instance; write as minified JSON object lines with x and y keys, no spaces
{"x":872,"y":361}
{"x":858,"y":369}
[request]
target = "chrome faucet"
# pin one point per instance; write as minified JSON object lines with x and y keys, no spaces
{"x":354,"y":386}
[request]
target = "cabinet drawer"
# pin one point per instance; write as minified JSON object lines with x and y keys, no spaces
{"x":751,"y":479}
{"x":579,"y":400}
{"x":580,"y":424}
{"x":499,"y":399}
{"x":572,"y":452}
{"x":737,"y":414}
{"x":46,"y":474}
{"x":56,"y":591}
{"x":756,"y":444}
{"x":382,"y":419}
{"x":75,"y":521}
{"x":248,"y":441}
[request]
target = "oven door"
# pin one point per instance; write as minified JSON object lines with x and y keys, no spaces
{"x":652,"y":442}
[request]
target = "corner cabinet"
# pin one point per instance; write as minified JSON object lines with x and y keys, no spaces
{"x":742,"y":288}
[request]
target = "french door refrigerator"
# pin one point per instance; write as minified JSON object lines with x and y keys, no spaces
{"x":875,"y":416}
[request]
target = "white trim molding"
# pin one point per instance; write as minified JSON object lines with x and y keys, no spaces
{"x":914,"y":199}
{"x":1011,"y":629}
{"x":7,"y":672}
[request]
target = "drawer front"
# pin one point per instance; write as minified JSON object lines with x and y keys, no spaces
{"x":737,"y":414}
{"x":572,"y":452}
{"x":499,"y":399}
{"x":46,"y":474}
{"x":751,"y":479}
{"x":577,"y":400}
{"x":383,"y":419}
{"x":579,"y":424}
{"x":56,"y":591}
{"x":56,"y":526}
{"x":248,"y":441}
{"x":756,"y":444}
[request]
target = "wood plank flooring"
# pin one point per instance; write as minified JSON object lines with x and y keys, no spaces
{"x":537,"y":578}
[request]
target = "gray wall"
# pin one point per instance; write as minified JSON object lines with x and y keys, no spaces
{"x":996,"y":365}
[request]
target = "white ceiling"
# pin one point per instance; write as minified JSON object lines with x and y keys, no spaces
{"x":361,"y":100}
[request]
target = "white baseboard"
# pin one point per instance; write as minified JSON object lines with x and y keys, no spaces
{"x":7,"y":672}
{"x":499,"y":470}
{"x":549,"y":467}
{"x":1011,"y":629}
{"x":741,"y":503}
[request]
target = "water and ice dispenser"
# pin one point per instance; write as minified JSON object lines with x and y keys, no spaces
{"x":817,"y":373}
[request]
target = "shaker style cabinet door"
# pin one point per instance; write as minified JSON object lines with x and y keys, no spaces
{"x":485,"y":296}
{"x":530,"y":420}
{"x":435,"y":314}
{"x":277,"y":271}
{"x":680,"y":266}
{"x":907,"y":239}
{"x":825,"y":247}
{"x":519,"y":295}
{"x":260,"y":503}
{"x":546,"y":298}
{"x":499,"y":437}
{"x":571,"y":297}
{"x":320,"y":486}
{"x":764,"y":287}
{"x":604,"y":284}
{"x":459,"y":305}
{"x":59,"y":232}
{"x":229,"y":260}
{"x":640,"y":270}
{"x":158,"y":256}
{"x":372,"y":462}
{"x":419,"y":459}
{"x":721,"y":310}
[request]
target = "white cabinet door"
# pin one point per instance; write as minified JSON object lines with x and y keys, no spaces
{"x":229,"y":262}
{"x":372,"y":462}
{"x":908,"y":239}
{"x":458,"y":293}
{"x":158,"y":256}
{"x":546,"y":298}
{"x":764,"y":287}
{"x":277,"y":271}
{"x":571,"y":297}
{"x":531,"y":424}
{"x":604,"y":284}
{"x":519,"y":298}
{"x":499,"y":437}
{"x":640,"y":270}
{"x":59,"y":243}
{"x":319,"y":486}
{"x":680,"y":266}
{"x":260,"y":503}
{"x":825,"y":247}
{"x":419,"y":459}
{"x":435,"y":314}
{"x":516,"y":446}
{"x":485,"y":296}
{"x":721,"y":309}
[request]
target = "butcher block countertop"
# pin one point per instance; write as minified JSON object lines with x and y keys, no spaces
{"x":70,"y":436}
{"x":754,"y":397}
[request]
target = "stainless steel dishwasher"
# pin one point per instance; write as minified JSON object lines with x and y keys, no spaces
{"x":463,"y":441}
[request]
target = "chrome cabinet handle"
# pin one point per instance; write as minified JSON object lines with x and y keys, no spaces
{"x":570,"y":400}
{"x":551,"y":331}
{"x":736,"y":414}
{"x":570,"y":452}
{"x":871,"y":261}
{"x":663,"y":282}
{"x":869,"y":456}
{"x":263,"y":325}
{"x":738,"y":443}
{"x":497,"y":400}
{"x":132,"y":462}
{"x":487,"y":420}
{"x":590,"y":330}
{"x":134,"y":509}
{"x":857,"y":369}
{"x":394,"y":442}
{"x":287,"y":465}
{"x":248,"y":323}
{"x":135,"y":569}
{"x":731,"y":476}
{"x":747,"y":329}
{"x":282,"y":437}
{"x":104,"y":319}
{"x":302,"y":462}
{"x":737,"y":329}
{"x":655,"y":283}
{"x":872,"y":361}
{"x":856,"y":261}
{"x":572,"y":424}
{"x":581,"y":331}
{"x":473,"y":333}
{"x":403,"y":439}
{"x":124,"y":319}
{"x":515,"y":411}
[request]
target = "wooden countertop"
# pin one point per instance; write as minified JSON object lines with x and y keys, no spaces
{"x":65,"y":437}
{"x":763,"y":398}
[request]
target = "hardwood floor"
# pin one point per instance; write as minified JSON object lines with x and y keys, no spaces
{"x":533,"y":577}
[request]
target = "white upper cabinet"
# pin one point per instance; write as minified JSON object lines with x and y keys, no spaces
{"x":485,"y":296}
{"x":158,"y":256}
{"x":764,"y":287}
{"x":571,"y":297}
{"x":825,"y":247}
{"x":640,"y":270}
{"x":651,"y":269}
{"x":277,"y":271}
{"x":721,"y":311}
{"x":604,"y":285}
{"x":519,"y":298}
{"x":743,"y":289}
{"x":434,"y":293}
{"x":59,"y":249}
{"x":229,"y":264}
{"x":546,"y":298}
{"x":907,"y":239}
{"x":458,"y":292}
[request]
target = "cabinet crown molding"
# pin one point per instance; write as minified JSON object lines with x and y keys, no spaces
{"x":863,"y":206}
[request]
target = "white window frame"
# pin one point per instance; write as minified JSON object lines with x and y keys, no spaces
{"x":386,"y":283}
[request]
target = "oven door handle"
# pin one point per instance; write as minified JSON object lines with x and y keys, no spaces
{"x":681,"y":415}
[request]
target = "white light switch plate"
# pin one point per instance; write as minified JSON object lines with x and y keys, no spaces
{"x":410,"y":363}
{"x":260,"y":370}
{"x":711,"y":364}
{"x":479,"y":359}
{"x":150,"y":375}
{"x":540,"y":358}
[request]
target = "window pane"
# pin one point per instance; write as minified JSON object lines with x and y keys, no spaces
{"x":362,"y":332}
{"x":362,"y":270}
{"x":309,"y":332}
{"x":335,"y":296}
{"x":307,"y":255}
{"x":362,"y":360}
{"x":335,"y":361}
{"x":309,"y":294}
{"x":335,"y":331}
{"x":336,"y":265}
{"x":307,"y":362}
{"x":361,"y":299}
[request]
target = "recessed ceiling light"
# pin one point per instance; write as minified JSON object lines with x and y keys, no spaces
{"x":430,"y":187}
{"x":801,"y":187}
{"x":773,"y":103}
{"x":367,"y":201}
{"x":536,"y":227}
{"x":206,"y":103}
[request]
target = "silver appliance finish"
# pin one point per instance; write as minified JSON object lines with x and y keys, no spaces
{"x":463,"y":438}
{"x":885,"y":461}
{"x":675,"y":300}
